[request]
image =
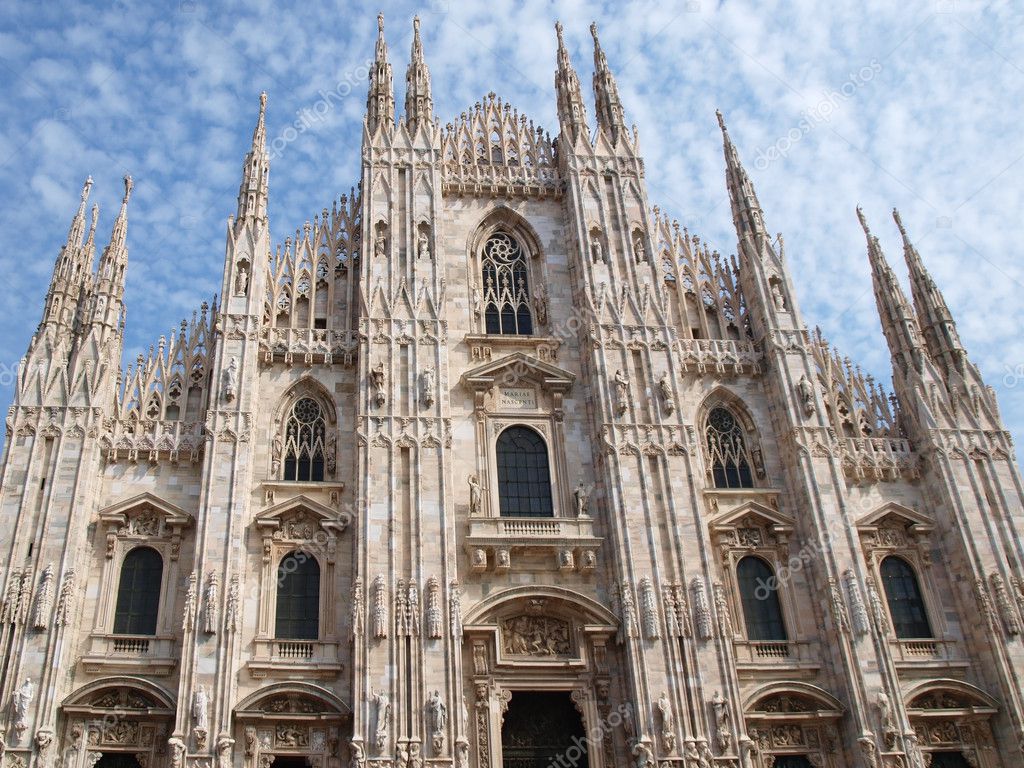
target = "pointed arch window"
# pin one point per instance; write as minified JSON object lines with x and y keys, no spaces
{"x":304,"y":449}
{"x":728,"y":453}
{"x":298,"y":597}
{"x":506,"y":283}
{"x":906,"y":605}
{"x":524,"y":476}
{"x":138,"y":592}
{"x":759,"y":595}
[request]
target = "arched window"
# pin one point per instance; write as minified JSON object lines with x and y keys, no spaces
{"x":304,"y":441}
{"x":727,"y":451}
{"x":506,"y":281}
{"x":138,"y":592}
{"x":298,"y":597}
{"x":906,"y":606}
{"x":524,"y":479}
{"x":759,"y":593}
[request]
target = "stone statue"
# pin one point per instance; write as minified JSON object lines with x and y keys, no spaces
{"x":596,"y":250}
{"x":250,"y":740}
{"x":668,"y":722}
{"x":356,"y":755}
{"x":277,"y":446}
{"x":22,"y":698}
{"x":805,"y":390}
{"x":200,"y":716}
{"x":621,"y":392}
{"x":639,"y":251}
{"x":644,"y":756}
{"x":331,"y":456}
{"x":402,"y":756}
{"x":383,"y":703}
{"x":378,"y":379}
{"x":438,"y":713}
{"x":665,"y":390}
{"x":230,"y":379}
{"x":224,"y":746}
{"x":177,"y":752}
{"x":722,"y":731}
{"x":427,"y":388}
{"x":475,"y":496}
{"x":581,"y":497}
{"x":242,"y":281}
{"x":423,"y":246}
{"x":379,"y":244}
{"x":415,"y":756}
{"x":540,"y":304}
{"x":777,"y":297}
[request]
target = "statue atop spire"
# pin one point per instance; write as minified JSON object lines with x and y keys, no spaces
{"x":610,"y":115}
{"x":419,"y":107}
{"x":252,"y":193}
{"x":572,"y":111}
{"x":747,"y":215}
{"x":380,"y":100}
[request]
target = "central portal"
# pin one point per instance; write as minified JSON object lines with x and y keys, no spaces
{"x":543,"y":729}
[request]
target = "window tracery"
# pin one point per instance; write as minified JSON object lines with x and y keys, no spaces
{"x":505,"y":276}
{"x":728,"y":454}
{"x":305,"y":441}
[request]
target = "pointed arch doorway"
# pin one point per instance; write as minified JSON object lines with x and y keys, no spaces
{"x":541,"y":729}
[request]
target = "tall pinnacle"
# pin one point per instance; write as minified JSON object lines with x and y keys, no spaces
{"x":110,"y":271}
{"x":419,"y":108}
{"x":380,"y":101}
{"x":747,"y":215}
{"x":610,"y":115}
{"x":69,"y":268}
{"x":937,"y":324}
{"x":898,"y":322}
{"x":78,"y":223}
{"x":252,"y":193}
{"x":572,"y":111}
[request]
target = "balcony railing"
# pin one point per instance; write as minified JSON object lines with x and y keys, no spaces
{"x":570,"y":540}
{"x":154,"y":654}
{"x":133,"y":646}
{"x":773,"y":652}
{"x":926,"y":650}
{"x":294,"y":650}
{"x":286,"y":658}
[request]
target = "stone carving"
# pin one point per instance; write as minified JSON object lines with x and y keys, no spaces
{"x":380,"y":608}
{"x":230,"y":380}
{"x":66,"y":600}
{"x":878,"y":613}
{"x":639,"y":252}
{"x":380,"y":243}
{"x":434,"y":614}
{"x":423,"y":246}
{"x":455,"y":609}
{"x":383,"y":706}
{"x":461,"y":754}
{"x":378,"y":380}
{"x":642,"y":755}
{"x":649,"y":606}
{"x":331,"y":453}
{"x":777,"y":297}
{"x":427,"y":388}
{"x":225,"y":746}
{"x":540,"y":304}
{"x":985,"y":601}
{"x":1006,"y":609}
{"x":200,"y":717}
{"x":357,"y":608}
{"x":44,"y":600}
{"x":861,"y":624}
{"x":535,"y":636}
{"x":581,"y":498}
{"x":885,"y":716}
{"x":415,"y":755}
{"x":250,"y":741}
{"x":475,"y":495}
{"x":722,"y":611}
{"x":839,"y":615}
{"x":668,"y":722}
{"x":357,"y":757}
{"x":628,"y":611}
{"x":438,"y":721}
{"x":723,"y":729}
{"x":242,"y":281}
{"x":665,"y":391}
{"x":44,"y":740}
{"x":177,"y":752}
{"x":805,"y":391}
{"x":621,"y":392}
{"x":21,"y":699}
{"x":701,"y":610}
{"x":13,"y":612}
{"x":189,"y":616}
{"x":231,"y":609}
{"x":412,"y":609}
{"x":869,"y":750}
{"x":210,"y":603}
{"x":277,"y":446}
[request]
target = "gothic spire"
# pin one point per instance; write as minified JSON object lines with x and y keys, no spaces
{"x":610,"y":116}
{"x":77,"y":229}
{"x":380,"y":101}
{"x":572,"y":111}
{"x":898,"y":322}
{"x":66,"y":282}
{"x":747,"y":215}
{"x":110,"y":271}
{"x":252,"y":193}
{"x":937,"y":324}
{"x":419,"y":108}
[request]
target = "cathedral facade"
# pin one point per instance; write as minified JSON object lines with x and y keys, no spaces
{"x":493,"y":464}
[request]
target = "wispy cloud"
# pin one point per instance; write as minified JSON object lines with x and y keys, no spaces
{"x":171,"y":97}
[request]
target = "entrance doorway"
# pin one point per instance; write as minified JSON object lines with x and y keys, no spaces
{"x":290,"y":761}
{"x":541,"y":729}
{"x":949,"y":760}
{"x":117,"y":760}
{"x":792,"y":761}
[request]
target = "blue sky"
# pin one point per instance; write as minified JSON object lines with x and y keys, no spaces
{"x":912,"y":104}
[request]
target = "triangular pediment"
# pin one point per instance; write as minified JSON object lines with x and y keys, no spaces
{"x":520,"y":367}
{"x":173,"y":515}
{"x":328,"y":518}
{"x":897,"y":513}
{"x":763,"y":514}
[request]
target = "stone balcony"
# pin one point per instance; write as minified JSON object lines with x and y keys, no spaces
{"x":494,"y":542}
{"x":758,"y":656}
{"x":295,"y":658}
{"x":149,"y":654}
{"x":879,"y":458}
{"x":926,"y":653}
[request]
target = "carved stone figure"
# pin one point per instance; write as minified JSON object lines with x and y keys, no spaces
{"x":177,"y":752}
{"x":723,"y":730}
{"x":357,"y":757}
{"x":668,"y":722}
{"x":427,"y":388}
{"x":210,"y":603}
{"x":250,"y":741}
{"x":277,"y":446}
{"x":643,"y":757}
{"x":535,"y":636}
{"x":540,"y":305}
{"x":475,"y":496}
{"x":665,"y":391}
{"x":434,"y":618}
{"x":242,"y":281}
{"x":380,"y":244}
{"x":805,"y":390}
{"x":621,"y":392}
{"x":454,"y":609}
{"x":438,"y":721}
{"x":225,"y":744}
{"x":331,"y":453}
{"x":383,"y":705}
{"x":885,"y":715}
{"x":777,"y":297}
{"x":21,"y":700}
{"x":596,"y":248}
{"x":44,"y":600}
{"x":200,"y":716}
{"x":423,"y":246}
{"x":378,"y":379}
{"x":380,"y":608}
{"x":581,"y":497}
{"x":638,"y":250}
{"x":230,"y":379}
